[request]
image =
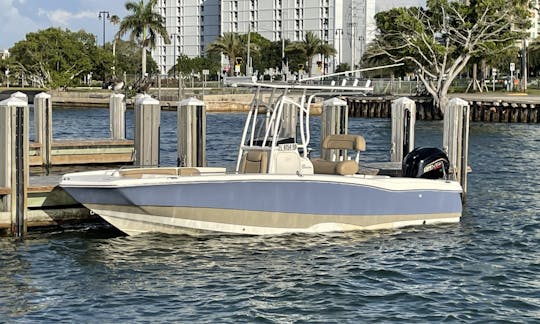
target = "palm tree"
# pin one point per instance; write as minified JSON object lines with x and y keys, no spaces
{"x":311,"y":46}
{"x":115,"y":20}
{"x":230,"y":44}
{"x":145,"y":25}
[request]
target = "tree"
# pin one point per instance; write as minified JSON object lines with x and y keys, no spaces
{"x":186,"y":65}
{"x":230,"y":44}
{"x":309,"y":47}
{"x":55,"y":57}
{"x":343,"y":67}
{"x":533,"y":56}
{"x":128,"y":58}
{"x":441,"y":39}
{"x":115,"y":20}
{"x":144,"y":26}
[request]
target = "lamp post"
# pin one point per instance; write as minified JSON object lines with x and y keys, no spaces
{"x":104,"y":15}
{"x":339,"y":33}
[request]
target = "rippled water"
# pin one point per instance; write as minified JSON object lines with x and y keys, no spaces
{"x":484,"y":269}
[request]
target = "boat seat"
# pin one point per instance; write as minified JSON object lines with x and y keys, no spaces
{"x":340,"y":142}
{"x":188,"y":171}
{"x":254,"y":162}
{"x":138,"y":173}
{"x":344,"y":142}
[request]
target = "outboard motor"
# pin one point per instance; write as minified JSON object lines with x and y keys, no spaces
{"x":426,"y":162}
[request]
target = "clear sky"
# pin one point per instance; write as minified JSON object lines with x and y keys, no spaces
{"x":19,"y":17}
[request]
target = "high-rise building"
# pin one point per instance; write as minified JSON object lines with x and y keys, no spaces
{"x":193,"y":24}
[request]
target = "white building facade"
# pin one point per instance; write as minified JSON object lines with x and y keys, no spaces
{"x":193,"y":24}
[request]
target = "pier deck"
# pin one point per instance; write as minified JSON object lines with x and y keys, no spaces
{"x":48,"y":205}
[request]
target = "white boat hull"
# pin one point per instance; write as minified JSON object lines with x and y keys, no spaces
{"x":263,"y":204}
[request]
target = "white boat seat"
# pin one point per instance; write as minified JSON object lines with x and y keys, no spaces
{"x":254,"y":162}
{"x":340,"y":142}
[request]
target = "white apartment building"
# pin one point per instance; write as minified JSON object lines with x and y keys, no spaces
{"x":191,"y":25}
{"x":344,"y":24}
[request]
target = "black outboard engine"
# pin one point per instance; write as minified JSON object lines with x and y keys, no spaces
{"x":426,"y":162}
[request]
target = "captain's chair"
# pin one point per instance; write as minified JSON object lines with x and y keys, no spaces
{"x":254,"y":161}
{"x":344,"y":142}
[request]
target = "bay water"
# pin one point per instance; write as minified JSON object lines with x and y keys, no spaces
{"x":483,"y":269}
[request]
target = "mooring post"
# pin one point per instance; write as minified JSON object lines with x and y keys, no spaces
{"x":14,"y":168}
{"x":456,"y":139}
{"x":334,"y":120}
{"x":191,"y":133}
{"x":117,"y":116}
{"x":20,"y":95}
{"x":43,"y":127}
{"x":403,"y":120}
{"x":147,"y":124}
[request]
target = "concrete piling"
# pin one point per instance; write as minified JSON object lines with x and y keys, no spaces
{"x":334,"y":120}
{"x":14,"y":168}
{"x":191,"y":132}
{"x":403,"y":122}
{"x":147,"y":126}
{"x":117,"y":116}
{"x":20,"y":95}
{"x":43,"y":127}
{"x":456,"y":139}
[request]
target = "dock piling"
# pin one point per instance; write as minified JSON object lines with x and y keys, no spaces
{"x":334,"y":120}
{"x":147,"y":125}
{"x":14,"y":168}
{"x":456,"y":139}
{"x":117,"y":116}
{"x":43,"y":127}
{"x":191,"y":133}
{"x":403,"y":121}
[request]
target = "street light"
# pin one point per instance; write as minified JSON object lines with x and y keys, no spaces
{"x":339,"y":33}
{"x":103,"y":15}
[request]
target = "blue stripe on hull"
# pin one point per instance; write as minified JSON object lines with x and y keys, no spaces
{"x":305,"y":197}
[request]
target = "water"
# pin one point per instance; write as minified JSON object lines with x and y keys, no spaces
{"x":484,"y":269}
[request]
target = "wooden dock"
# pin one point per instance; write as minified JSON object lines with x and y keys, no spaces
{"x":80,"y":152}
{"x":48,"y":205}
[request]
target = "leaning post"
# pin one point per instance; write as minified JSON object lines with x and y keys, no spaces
{"x":334,"y":120}
{"x":14,"y":168}
{"x":43,"y":127}
{"x":147,"y":124}
{"x":456,"y":139}
{"x":191,"y":132}
{"x":403,"y":121}
{"x":117,"y":116}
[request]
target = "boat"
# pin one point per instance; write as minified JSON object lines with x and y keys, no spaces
{"x":277,"y":186}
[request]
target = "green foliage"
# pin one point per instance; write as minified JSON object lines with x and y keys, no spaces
{"x":305,"y":50}
{"x":54,"y":57}
{"x":230,"y":44}
{"x":128,"y":58}
{"x":342,"y":67}
{"x":186,"y":65}
{"x":269,"y":56}
{"x":438,"y":41}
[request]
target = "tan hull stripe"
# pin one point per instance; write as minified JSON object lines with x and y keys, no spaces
{"x":265,"y":219}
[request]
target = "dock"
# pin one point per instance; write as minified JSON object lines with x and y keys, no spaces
{"x":48,"y":205}
{"x":485,"y":107}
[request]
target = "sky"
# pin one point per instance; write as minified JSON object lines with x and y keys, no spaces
{"x":20,"y":17}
